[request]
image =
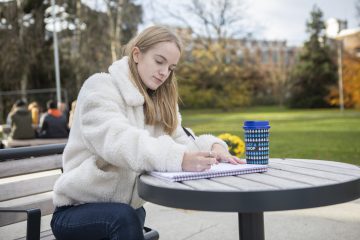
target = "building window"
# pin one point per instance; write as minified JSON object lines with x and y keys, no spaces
{"x":275,"y":57}
{"x":240,"y":56}
{"x":265,"y":56}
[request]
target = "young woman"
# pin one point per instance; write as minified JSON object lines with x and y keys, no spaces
{"x":126,"y":122}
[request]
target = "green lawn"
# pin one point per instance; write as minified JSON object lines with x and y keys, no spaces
{"x":312,"y":134}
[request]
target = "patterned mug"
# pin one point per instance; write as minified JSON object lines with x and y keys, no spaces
{"x":257,"y":142}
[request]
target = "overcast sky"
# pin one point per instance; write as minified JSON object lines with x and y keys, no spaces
{"x":273,"y":19}
{"x":285,"y":19}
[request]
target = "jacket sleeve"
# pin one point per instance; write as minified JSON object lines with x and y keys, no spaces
{"x":108,"y":133}
{"x":202,"y":142}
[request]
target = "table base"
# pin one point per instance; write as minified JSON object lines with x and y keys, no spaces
{"x":251,"y":226}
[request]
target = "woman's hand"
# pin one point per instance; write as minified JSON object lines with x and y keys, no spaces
{"x":222,"y":155}
{"x":198,"y":161}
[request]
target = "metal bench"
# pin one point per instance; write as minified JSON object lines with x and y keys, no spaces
{"x":14,"y":143}
{"x":27,"y":176}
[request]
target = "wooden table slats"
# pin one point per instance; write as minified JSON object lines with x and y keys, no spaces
{"x":311,"y":172}
{"x":243,"y":184}
{"x":326,"y":168}
{"x":299,"y":177}
{"x":275,"y":181}
{"x":323,"y":163}
{"x":282,"y":173}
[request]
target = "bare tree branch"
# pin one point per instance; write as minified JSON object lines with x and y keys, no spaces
{"x":216,"y":19}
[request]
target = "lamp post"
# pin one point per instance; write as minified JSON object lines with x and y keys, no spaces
{"x":56,"y":55}
{"x":339,"y":44}
{"x":333,"y":28}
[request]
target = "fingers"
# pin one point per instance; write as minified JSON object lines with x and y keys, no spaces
{"x":197,"y":161}
{"x":241,"y":161}
{"x":209,"y":154}
{"x":202,"y":161}
{"x":232,"y":159}
{"x":205,"y":164}
{"x":223,"y":155}
{"x":238,"y":160}
{"x":207,"y":160}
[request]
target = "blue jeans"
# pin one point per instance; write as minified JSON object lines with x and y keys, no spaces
{"x":95,"y":221}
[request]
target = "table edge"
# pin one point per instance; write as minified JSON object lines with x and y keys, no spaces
{"x":251,"y":201}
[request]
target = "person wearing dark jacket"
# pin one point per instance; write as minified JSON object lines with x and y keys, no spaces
{"x":21,"y":123}
{"x":53,"y":124}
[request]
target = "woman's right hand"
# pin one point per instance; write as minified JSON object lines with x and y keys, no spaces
{"x":197,"y":161}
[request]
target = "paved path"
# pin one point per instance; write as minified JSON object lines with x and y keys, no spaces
{"x":334,"y":222}
{"x":341,"y":221}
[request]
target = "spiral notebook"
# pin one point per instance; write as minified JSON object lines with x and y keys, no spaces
{"x":218,"y":170}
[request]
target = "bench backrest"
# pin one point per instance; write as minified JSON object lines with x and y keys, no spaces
{"x":27,"y":177}
{"x":14,"y":143}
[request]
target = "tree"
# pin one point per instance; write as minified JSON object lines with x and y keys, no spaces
{"x":211,"y":21}
{"x":351,"y":84}
{"x":207,"y":82}
{"x":22,"y":42}
{"x":350,"y":76}
{"x":210,"y":73}
{"x":26,"y":43}
{"x":24,"y":49}
{"x":315,"y":71}
{"x":124,"y":16}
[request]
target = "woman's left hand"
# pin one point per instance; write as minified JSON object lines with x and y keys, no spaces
{"x":222,"y":155}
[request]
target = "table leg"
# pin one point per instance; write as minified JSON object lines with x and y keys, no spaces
{"x":251,"y":226}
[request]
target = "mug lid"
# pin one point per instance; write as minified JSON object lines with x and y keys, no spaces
{"x":256,"y":124}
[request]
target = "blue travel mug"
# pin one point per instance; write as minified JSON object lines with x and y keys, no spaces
{"x":257,"y":142}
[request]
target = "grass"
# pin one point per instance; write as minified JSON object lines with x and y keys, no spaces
{"x":311,"y":134}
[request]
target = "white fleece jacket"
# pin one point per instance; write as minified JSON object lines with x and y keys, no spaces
{"x":110,"y":144}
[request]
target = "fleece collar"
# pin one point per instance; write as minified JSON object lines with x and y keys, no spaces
{"x":120,"y":74}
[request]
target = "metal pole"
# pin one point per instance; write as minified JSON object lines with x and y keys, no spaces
{"x":251,"y":226}
{"x":56,"y":55}
{"x":341,"y":90}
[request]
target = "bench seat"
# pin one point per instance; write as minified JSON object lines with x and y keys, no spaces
{"x":27,"y":177}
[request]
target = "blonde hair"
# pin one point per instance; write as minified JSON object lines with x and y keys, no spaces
{"x":164,"y":100}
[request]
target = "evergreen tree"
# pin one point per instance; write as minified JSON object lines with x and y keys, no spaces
{"x":315,"y":71}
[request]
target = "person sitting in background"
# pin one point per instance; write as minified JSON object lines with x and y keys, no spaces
{"x":35,"y":112}
{"x":8,"y":117}
{"x":64,"y":109}
{"x":53,"y":124}
{"x":20,"y":118}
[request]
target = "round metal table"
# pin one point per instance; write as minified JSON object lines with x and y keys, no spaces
{"x":288,"y":184}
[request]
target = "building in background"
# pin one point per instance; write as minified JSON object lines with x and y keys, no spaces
{"x":271,"y":60}
{"x":351,"y":41}
{"x":346,"y":42}
{"x":268,"y":54}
